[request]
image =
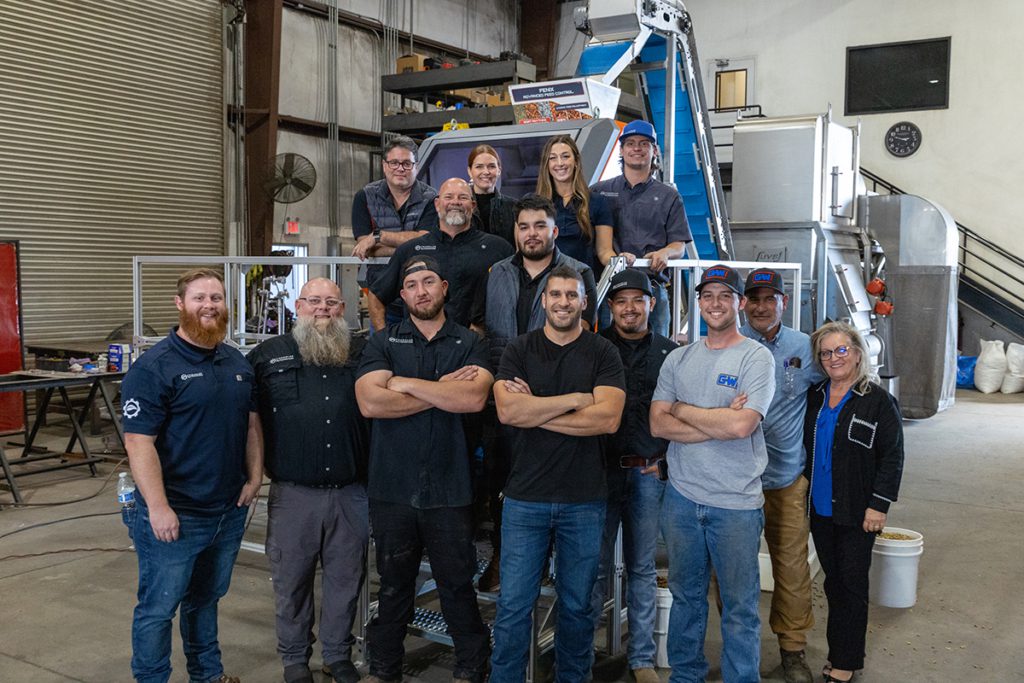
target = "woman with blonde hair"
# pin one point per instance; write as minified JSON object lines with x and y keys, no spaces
{"x":584,"y":220}
{"x":853,"y":436}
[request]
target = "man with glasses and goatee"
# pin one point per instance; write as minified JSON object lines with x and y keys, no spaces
{"x":316,"y":445}
{"x":389,"y":212}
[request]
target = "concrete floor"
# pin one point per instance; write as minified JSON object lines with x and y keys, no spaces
{"x":66,"y":615}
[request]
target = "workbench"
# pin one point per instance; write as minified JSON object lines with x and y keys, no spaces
{"x":48,"y":382}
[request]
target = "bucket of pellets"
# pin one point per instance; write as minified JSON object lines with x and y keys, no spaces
{"x":894,"y":565}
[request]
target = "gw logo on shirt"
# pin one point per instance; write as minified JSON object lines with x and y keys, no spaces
{"x":725,"y":380}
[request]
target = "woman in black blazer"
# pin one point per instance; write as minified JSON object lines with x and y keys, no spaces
{"x":853,"y":436}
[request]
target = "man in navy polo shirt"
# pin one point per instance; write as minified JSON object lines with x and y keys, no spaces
{"x":648,"y":215}
{"x":194,"y":445}
{"x":417,"y":380}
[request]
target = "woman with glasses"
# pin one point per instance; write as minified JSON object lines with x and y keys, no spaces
{"x":584,"y":220}
{"x":853,"y":436}
{"x":495,"y":212}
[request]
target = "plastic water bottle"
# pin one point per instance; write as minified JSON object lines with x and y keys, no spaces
{"x":789,"y":377}
{"x":126,"y":497}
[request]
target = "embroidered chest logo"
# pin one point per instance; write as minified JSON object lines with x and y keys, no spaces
{"x":725,"y":380}
{"x":190,"y":375}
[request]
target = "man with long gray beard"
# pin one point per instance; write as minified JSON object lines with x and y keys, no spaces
{"x":316,"y":444}
{"x":193,"y":442}
{"x":464,"y":252}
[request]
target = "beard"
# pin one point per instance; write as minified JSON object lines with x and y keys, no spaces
{"x":572,"y":324}
{"x":324,"y":346}
{"x":536,"y":253}
{"x":201,"y":334}
{"x":428,"y":311}
{"x":455,"y":217}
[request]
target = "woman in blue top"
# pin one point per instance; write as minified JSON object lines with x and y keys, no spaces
{"x":583,"y":219}
{"x":853,"y":436}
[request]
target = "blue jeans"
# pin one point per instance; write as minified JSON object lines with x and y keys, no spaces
{"x":525,"y":532}
{"x":701,"y":538}
{"x":637,"y":502}
{"x":194,"y":572}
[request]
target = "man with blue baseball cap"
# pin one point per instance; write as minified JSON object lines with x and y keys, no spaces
{"x":649,"y":218}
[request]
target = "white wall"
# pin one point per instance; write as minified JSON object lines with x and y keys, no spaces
{"x":972,"y":156}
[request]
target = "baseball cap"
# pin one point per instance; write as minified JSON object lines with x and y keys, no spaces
{"x":723,"y":275}
{"x":764,"y":277}
{"x":630,"y":278}
{"x":639,"y":127}
{"x":418,"y":263}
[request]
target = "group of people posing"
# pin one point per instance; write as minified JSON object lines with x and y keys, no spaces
{"x":703,"y":444}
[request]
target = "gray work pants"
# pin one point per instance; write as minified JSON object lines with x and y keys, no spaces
{"x":305,"y":525}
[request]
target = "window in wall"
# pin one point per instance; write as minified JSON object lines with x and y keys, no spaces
{"x":898,"y":76}
{"x":731,"y":89}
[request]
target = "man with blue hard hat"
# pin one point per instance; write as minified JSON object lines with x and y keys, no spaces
{"x":649,"y":218}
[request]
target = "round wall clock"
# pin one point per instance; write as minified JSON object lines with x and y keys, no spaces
{"x":903,"y":139}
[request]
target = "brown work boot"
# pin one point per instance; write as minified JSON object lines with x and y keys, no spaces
{"x":646,"y":676}
{"x":224,"y":678}
{"x":490,"y":579}
{"x":794,"y":667}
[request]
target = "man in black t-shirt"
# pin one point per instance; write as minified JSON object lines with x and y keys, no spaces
{"x":418,"y":378}
{"x":561,"y":389}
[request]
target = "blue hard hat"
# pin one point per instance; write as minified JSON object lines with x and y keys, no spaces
{"x":639,"y":127}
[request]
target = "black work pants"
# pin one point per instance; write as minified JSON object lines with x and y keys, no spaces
{"x":845,"y":556}
{"x":401,"y":533}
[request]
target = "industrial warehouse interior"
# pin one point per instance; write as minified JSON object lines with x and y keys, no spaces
{"x":207,"y":195}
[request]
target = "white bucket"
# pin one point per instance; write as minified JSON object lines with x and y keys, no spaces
{"x":661,"y":628}
{"x":893,"y":576}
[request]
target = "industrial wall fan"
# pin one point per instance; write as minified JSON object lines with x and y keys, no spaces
{"x":290,"y":178}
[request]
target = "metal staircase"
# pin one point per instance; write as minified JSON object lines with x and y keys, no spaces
{"x":991,"y":277}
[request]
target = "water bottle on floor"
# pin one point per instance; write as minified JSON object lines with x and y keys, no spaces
{"x":126,"y":499}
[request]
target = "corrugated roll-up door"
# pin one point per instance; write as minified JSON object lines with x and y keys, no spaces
{"x":111,"y":145}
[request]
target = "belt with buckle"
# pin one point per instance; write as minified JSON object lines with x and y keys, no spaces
{"x":627,"y":461}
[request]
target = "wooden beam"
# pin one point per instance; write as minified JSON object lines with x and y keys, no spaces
{"x":262,"y":88}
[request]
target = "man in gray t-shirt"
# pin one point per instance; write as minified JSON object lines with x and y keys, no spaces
{"x":709,"y":403}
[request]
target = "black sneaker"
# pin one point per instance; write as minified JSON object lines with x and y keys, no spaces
{"x":794,"y":667}
{"x":344,"y":671}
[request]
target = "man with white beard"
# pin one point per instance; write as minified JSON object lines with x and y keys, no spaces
{"x":193,"y":442}
{"x":465,"y":253}
{"x":316,"y":444}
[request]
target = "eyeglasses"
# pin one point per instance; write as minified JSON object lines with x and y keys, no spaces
{"x":838,"y":352}
{"x":317,"y":300}
{"x":395,"y":165}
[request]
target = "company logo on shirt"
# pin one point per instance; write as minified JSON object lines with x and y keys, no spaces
{"x":280,"y":359}
{"x":426,"y":247}
{"x":396,"y":340}
{"x":131,"y":408}
{"x":190,"y":375}
{"x":725,"y":380}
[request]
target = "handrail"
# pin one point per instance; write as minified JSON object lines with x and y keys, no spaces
{"x":996,"y":292}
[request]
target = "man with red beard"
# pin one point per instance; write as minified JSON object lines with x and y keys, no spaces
{"x":194,"y":445}
{"x":418,"y":378}
{"x":316,"y":448}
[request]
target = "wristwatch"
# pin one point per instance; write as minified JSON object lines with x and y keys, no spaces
{"x":376,"y":236}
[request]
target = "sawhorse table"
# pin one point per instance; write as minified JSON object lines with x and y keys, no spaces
{"x":48,"y":383}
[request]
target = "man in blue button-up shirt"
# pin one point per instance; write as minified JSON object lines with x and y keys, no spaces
{"x":785,"y":489}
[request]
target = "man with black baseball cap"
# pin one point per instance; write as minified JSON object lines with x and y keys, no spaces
{"x":709,"y":403}
{"x":417,"y":380}
{"x":649,"y":218}
{"x":634,"y":498}
{"x":785,"y":488}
